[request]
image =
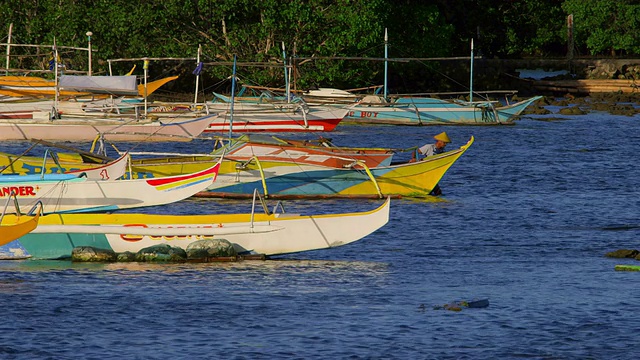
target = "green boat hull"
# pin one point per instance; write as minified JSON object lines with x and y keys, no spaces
{"x":60,"y":246}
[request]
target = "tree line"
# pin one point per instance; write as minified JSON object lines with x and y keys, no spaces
{"x":316,"y":35}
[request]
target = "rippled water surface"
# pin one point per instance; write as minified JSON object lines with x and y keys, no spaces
{"x":526,"y":218}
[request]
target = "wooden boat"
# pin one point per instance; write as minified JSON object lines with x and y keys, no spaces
{"x":176,"y":127}
{"x":279,"y":179}
{"x":26,"y":97}
{"x":243,"y":148}
{"x":269,"y":234}
{"x":319,"y":152}
{"x":61,"y":193}
{"x":107,"y":172}
{"x":411,"y":110}
{"x":23,"y":87}
{"x":432,"y":111}
{"x":110,"y":171}
{"x":417,"y":110}
{"x":296,"y":177}
{"x":14,"y":227}
{"x":274,"y":117}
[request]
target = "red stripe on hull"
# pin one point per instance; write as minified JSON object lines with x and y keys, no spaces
{"x":172,"y":179}
{"x":277,"y":126}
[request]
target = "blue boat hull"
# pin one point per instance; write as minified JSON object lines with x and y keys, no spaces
{"x":431,"y":111}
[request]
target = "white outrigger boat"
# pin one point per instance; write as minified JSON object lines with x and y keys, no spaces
{"x":266,"y":233}
{"x":64,"y":193}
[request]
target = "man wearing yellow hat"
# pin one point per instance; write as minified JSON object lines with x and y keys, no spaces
{"x":442,"y":140}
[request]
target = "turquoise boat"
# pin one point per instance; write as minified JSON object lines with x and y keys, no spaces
{"x":433,"y":111}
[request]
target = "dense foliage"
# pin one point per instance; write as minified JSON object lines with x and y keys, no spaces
{"x":313,"y":34}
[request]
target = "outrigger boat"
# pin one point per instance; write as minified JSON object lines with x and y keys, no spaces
{"x":110,"y":171}
{"x":299,"y":180}
{"x":243,"y":148}
{"x":177,"y":127}
{"x":113,"y":170}
{"x":64,"y":193}
{"x":302,"y":176}
{"x":406,"y":110}
{"x":433,"y":111}
{"x":269,"y":117}
{"x":251,"y":233}
{"x":92,"y":87}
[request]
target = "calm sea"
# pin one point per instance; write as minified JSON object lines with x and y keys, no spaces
{"x":526,"y":218}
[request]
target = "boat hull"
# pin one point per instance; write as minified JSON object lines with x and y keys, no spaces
{"x":75,"y":128}
{"x":292,"y":180}
{"x":272,"y":118}
{"x":272,"y":234}
{"x":431,"y":111}
{"x":79,"y":194}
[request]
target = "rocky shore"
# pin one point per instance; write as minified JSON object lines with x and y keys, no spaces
{"x":627,"y":104}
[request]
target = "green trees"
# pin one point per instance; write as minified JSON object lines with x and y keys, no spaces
{"x":606,"y":27}
{"x":312,"y":31}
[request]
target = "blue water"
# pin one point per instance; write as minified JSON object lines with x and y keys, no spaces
{"x":527,"y":215}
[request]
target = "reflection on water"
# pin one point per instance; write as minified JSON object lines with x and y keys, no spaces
{"x":527,"y":215}
{"x":277,"y":265}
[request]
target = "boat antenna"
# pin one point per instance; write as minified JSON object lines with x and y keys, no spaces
{"x":233,"y":95}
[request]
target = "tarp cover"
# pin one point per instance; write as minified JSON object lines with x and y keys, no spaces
{"x":116,"y":85}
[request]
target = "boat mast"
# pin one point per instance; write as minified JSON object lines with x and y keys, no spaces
{"x":471,"y":75}
{"x":89,"y":34}
{"x":8,"y":49}
{"x":233,"y":96}
{"x":55,"y":77}
{"x":286,"y":77}
{"x":195,"y":99}
{"x":145,"y":66}
{"x":386,"y":53}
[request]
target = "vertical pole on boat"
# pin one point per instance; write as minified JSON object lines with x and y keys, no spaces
{"x":386,"y":53}
{"x":233,"y":96}
{"x":145,"y":66}
{"x":286,"y":77}
{"x":195,"y":99}
{"x":294,"y":76}
{"x":471,"y":76}
{"x":8,"y":49}
{"x":55,"y":77}
{"x":89,"y":33}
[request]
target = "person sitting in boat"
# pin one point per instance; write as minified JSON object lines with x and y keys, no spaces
{"x":427,"y":150}
{"x":442,"y":140}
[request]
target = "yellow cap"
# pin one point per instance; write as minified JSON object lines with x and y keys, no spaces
{"x":442,"y":137}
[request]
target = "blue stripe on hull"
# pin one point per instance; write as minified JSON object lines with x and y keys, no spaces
{"x":325,"y":182}
{"x":425,"y":111}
